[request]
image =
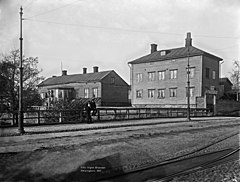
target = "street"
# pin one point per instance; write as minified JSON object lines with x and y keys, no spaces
{"x":75,"y":152}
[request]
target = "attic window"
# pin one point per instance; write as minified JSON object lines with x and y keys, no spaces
{"x":163,"y":53}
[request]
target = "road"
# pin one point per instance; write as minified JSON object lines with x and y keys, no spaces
{"x":81,"y":151}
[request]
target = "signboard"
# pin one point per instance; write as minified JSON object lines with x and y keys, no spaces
{"x":211,"y":92}
{"x":200,"y":101}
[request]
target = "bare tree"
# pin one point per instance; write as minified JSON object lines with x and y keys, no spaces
{"x":235,"y":77}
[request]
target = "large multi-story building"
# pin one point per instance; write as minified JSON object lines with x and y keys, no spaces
{"x":160,"y":78}
{"x":107,"y":87}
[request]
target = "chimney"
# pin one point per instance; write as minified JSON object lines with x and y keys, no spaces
{"x":95,"y":69}
{"x":84,"y":70}
{"x":64,"y":72}
{"x":188,"y":40}
{"x":153,"y":48}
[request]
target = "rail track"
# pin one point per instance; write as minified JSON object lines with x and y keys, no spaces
{"x":220,"y":160}
{"x":153,"y":169}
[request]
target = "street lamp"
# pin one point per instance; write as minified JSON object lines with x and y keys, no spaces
{"x":20,"y":111}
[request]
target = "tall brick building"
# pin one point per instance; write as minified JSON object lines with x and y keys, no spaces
{"x":160,"y":78}
{"x":107,"y":87}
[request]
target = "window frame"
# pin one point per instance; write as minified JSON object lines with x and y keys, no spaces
{"x":151,"y":76}
{"x":170,"y":92}
{"x":162,"y":75}
{"x":161,"y":93}
{"x":151,"y":93}
{"x":173,"y":74}
{"x":139,"y":77}
{"x":140,"y":95}
{"x":86,"y":92}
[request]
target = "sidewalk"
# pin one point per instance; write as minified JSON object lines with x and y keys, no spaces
{"x":13,"y":131}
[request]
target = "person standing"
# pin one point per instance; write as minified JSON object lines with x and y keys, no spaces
{"x":88,"y":110}
{"x":93,"y":107}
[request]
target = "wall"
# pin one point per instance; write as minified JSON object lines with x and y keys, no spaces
{"x":180,"y":83}
{"x":228,"y":107}
{"x":114,"y":94}
{"x":78,"y":87}
{"x":213,"y":65}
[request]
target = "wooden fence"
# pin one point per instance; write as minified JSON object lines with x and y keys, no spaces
{"x":38,"y":117}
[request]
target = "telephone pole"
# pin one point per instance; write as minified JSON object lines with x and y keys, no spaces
{"x":188,"y":89}
{"x":20,"y":111}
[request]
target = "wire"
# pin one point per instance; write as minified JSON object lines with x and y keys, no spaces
{"x":46,"y":12}
{"x":29,"y":4}
{"x":127,"y":30}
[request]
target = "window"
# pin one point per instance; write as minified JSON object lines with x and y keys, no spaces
{"x":213,"y":75}
{"x":151,"y":76}
{"x":191,"y":91}
{"x":161,"y":75}
{"x":163,"y":53}
{"x":207,"y":72}
{"x":86,"y":93}
{"x":139,"y":94}
{"x":151,"y":93}
{"x":95,"y":92}
{"x":173,"y":74}
{"x":139,"y":77}
{"x":161,"y":93}
{"x":173,"y":92}
{"x":191,"y":72}
{"x":112,"y":80}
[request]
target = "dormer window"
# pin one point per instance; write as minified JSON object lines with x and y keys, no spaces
{"x":163,"y":53}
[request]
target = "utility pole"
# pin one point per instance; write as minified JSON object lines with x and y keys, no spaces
{"x":188,"y":89}
{"x":20,"y":111}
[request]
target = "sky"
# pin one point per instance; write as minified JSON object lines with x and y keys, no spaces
{"x":72,"y":34}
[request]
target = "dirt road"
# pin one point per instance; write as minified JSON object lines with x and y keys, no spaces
{"x":80,"y":152}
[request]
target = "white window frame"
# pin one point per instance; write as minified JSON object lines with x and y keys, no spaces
{"x":172,"y":92}
{"x":151,"y":76}
{"x":95,"y":92}
{"x":151,"y":93}
{"x":139,"y":77}
{"x":161,"y":75}
{"x":86,"y":92}
{"x":191,"y":90}
{"x":173,"y":74}
{"x":213,"y":74}
{"x":139,"y":94}
{"x":161,"y":93}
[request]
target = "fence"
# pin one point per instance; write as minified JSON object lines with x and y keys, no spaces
{"x":38,"y":117}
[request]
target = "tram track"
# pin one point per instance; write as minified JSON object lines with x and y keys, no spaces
{"x":166,"y":171}
{"x":133,"y":171}
{"x":217,"y":161}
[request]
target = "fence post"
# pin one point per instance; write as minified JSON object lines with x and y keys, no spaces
{"x":115,"y":114}
{"x":98,"y":111}
{"x":38,"y":113}
{"x":60,"y":117}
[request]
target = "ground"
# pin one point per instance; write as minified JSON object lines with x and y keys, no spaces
{"x":72,"y":152}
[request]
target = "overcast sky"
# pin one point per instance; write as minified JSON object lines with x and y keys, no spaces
{"x":110,"y":33}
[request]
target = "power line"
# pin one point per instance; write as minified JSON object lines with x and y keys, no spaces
{"x":128,"y":30}
{"x":46,"y":12}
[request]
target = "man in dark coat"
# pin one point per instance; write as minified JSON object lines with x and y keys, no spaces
{"x":93,"y":107}
{"x":88,"y":110}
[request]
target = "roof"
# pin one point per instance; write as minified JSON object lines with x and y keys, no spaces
{"x":224,"y":80}
{"x":172,"y":54}
{"x":76,"y":78}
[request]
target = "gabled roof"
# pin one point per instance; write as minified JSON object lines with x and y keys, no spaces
{"x":172,"y":54}
{"x":76,"y":78}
